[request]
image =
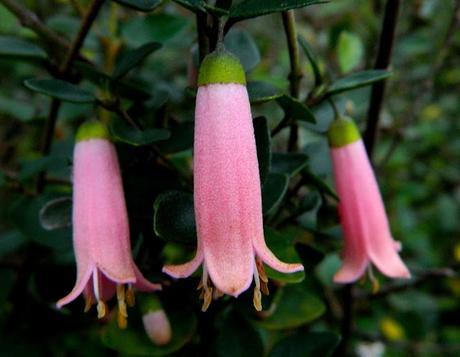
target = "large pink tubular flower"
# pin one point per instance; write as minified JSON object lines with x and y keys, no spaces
{"x":100,"y":226}
{"x":362,"y":212}
{"x":227,"y":195}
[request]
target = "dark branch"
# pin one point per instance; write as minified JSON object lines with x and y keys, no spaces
{"x":383,"y":60}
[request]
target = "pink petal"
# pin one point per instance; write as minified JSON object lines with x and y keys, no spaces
{"x":157,"y":327}
{"x":271,"y":260}
{"x":227,"y":185}
{"x":360,"y":195}
{"x":100,"y":219}
{"x":83,"y":279}
{"x":186,"y":269}
{"x":142,"y":284}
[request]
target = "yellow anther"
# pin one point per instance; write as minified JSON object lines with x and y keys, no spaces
{"x":122,"y":320}
{"x":120,"y":292}
{"x":200,"y":285}
{"x":264,"y":287}
{"x":207,"y":298}
{"x":130,"y":297}
{"x":257,"y":299}
{"x":101,"y":309}
{"x":217,"y":294}
{"x":374,"y":281}
{"x":88,"y":303}
{"x":261,"y":270}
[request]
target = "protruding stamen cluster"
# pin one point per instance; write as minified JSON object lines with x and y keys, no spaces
{"x":125,"y":297}
{"x":261,"y":282}
{"x":206,"y":290}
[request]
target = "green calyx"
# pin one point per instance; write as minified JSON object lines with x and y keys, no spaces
{"x":92,"y":130}
{"x":221,"y":66}
{"x":343,"y":131}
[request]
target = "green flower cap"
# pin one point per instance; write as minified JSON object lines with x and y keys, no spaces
{"x":343,"y":131}
{"x":92,"y":130}
{"x":149,"y":303}
{"x":221,"y":67}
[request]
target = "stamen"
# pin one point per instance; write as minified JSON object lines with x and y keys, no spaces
{"x":130,"y":298}
{"x":122,"y":312}
{"x":374,"y":281}
{"x":101,"y":309}
{"x":257,"y":299}
{"x":96,"y":285}
{"x":262,"y":276}
{"x":88,"y":303}
{"x":206,"y":293}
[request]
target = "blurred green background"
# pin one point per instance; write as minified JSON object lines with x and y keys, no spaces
{"x":417,"y":161}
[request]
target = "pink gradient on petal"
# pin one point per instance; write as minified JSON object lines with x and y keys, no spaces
{"x":227,"y":193}
{"x":100,"y":220}
{"x":186,"y":269}
{"x":364,"y":221}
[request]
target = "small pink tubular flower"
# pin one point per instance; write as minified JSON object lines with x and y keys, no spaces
{"x":157,"y":327}
{"x":362,"y":212}
{"x":100,"y":226}
{"x":227,"y":195}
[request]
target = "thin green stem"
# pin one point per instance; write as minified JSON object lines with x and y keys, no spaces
{"x":295,"y":74}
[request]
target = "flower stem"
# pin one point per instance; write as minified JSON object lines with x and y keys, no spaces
{"x":296,"y":74}
{"x":387,"y":37}
{"x":64,"y":71}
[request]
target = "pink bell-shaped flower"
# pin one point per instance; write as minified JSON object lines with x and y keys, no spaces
{"x":227,"y":194}
{"x":156,"y":322}
{"x":361,"y":209}
{"x":100,"y":226}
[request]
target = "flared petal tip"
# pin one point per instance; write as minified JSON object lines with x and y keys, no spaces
{"x":234,"y":289}
{"x":176,"y":271}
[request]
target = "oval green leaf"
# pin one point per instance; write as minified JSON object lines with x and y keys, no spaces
{"x":357,"y":80}
{"x":253,"y":8}
{"x":127,"y":134}
{"x":288,"y":163}
{"x":306,"y":344}
{"x":140,"y":5}
{"x":261,"y":92}
{"x":263,"y":143}
{"x":56,"y":214}
{"x":296,"y":306}
{"x":273,"y":191}
{"x":62,"y":90}
{"x":133,"y":58}
{"x":18,"y":48}
{"x":243,"y":46}
{"x":174,"y":217}
{"x":295,"y":109}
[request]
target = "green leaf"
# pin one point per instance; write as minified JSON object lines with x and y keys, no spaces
{"x":253,"y":8}
{"x":261,"y":92}
{"x":282,"y":245}
{"x":326,"y":270}
{"x":242,"y":45}
{"x":273,"y":191}
{"x":288,"y":163}
{"x":24,"y":215}
{"x":312,"y":59}
{"x":134,"y":340}
{"x":127,"y":134}
{"x":30,"y":168}
{"x":124,"y":88}
{"x":192,"y":5}
{"x":133,"y":58}
{"x":140,"y":5}
{"x":158,"y":28}
{"x":350,"y":51}
{"x":56,"y":214}
{"x":295,"y":109}
{"x":11,"y":241}
{"x":174,"y":217}
{"x":20,"y":49}
{"x":238,"y":338}
{"x":263,"y":142}
{"x":357,"y":80}
{"x":18,"y":109}
{"x":306,"y":344}
{"x":319,"y":183}
{"x":296,"y":307}
{"x":60,"y":90}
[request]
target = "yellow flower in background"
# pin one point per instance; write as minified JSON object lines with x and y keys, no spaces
{"x":391,"y":329}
